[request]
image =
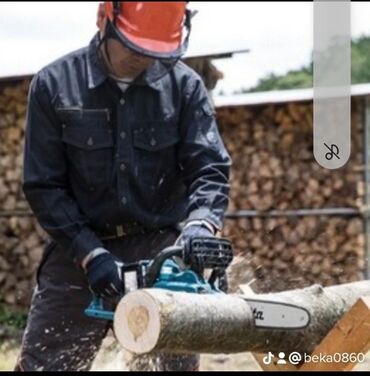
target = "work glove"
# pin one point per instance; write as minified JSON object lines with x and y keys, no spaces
{"x":104,"y":275}
{"x":189,"y":233}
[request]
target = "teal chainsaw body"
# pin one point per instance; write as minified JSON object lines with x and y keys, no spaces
{"x":173,"y":278}
{"x":164,"y":273}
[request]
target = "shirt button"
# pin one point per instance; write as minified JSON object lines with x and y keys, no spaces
{"x":122,"y":101}
{"x":63,"y":126}
{"x":123,"y":135}
{"x":124,"y":200}
{"x":122,"y":167}
{"x":153,"y":142}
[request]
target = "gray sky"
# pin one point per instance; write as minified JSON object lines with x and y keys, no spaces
{"x":279,"y":35}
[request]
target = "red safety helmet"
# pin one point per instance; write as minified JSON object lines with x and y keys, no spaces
{"x":153,"y":29}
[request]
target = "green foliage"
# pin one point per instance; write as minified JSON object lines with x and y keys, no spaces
{"x":302,"y":78}
{"x":12,"y":324}
{"x":12,"y":319}
{"x":360,"y":60}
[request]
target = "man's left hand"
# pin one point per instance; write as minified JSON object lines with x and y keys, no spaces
{"x":191,"y":232}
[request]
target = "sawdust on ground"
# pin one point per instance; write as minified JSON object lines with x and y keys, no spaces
{"x":112,"y":358}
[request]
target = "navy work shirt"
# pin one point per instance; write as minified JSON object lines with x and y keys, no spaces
{"x":96,"y":158}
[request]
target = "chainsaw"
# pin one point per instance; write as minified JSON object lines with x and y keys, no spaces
{"x":213,"y":255}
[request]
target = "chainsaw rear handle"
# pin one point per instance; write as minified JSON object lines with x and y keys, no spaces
{"x":155,"y":266}
{"x":210,"y":252}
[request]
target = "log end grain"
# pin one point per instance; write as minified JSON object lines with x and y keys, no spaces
{"x":137,"y":322}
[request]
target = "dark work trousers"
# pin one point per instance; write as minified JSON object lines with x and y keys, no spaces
{"x":59,"y":336}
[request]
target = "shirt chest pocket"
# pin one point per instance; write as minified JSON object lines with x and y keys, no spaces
{"x":88,"y":137}
{"x":155,"y":144}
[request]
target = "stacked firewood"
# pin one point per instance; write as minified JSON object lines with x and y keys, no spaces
{"x":274,"y":169}
{"x":21,"y":247}
{"x":13,"y":105}
{"x":291,"y":252}
{"x":21,"y":239}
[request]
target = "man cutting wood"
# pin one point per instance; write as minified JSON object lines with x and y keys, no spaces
{"x":122,"y":159}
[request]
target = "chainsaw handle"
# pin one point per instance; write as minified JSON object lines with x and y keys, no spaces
{"x":156,"y":265}
{"x":96,"y":309}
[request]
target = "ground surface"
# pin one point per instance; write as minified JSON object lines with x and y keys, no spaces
{"x":111,"y":358}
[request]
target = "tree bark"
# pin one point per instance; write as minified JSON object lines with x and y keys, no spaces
{"x":160,"y":320}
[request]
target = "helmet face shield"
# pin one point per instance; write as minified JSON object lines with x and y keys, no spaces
{"x":111,"y":32}
{"x":157,"y":69}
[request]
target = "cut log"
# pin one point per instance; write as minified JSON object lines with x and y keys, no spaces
{"x":160,"y":320}
{"x":153,"y":319}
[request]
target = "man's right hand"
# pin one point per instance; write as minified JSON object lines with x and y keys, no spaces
{"x":104,"y":274}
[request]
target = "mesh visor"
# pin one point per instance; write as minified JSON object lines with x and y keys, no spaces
{"x":159,"y":68}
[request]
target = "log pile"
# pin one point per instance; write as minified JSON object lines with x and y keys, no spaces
{"x":206,"y":69}
{"x":21,"y":239}
{"x":285,"y":253}
{"x":274,"y":169}
{"x":13,"y":104}
{"x":21,"y":246}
